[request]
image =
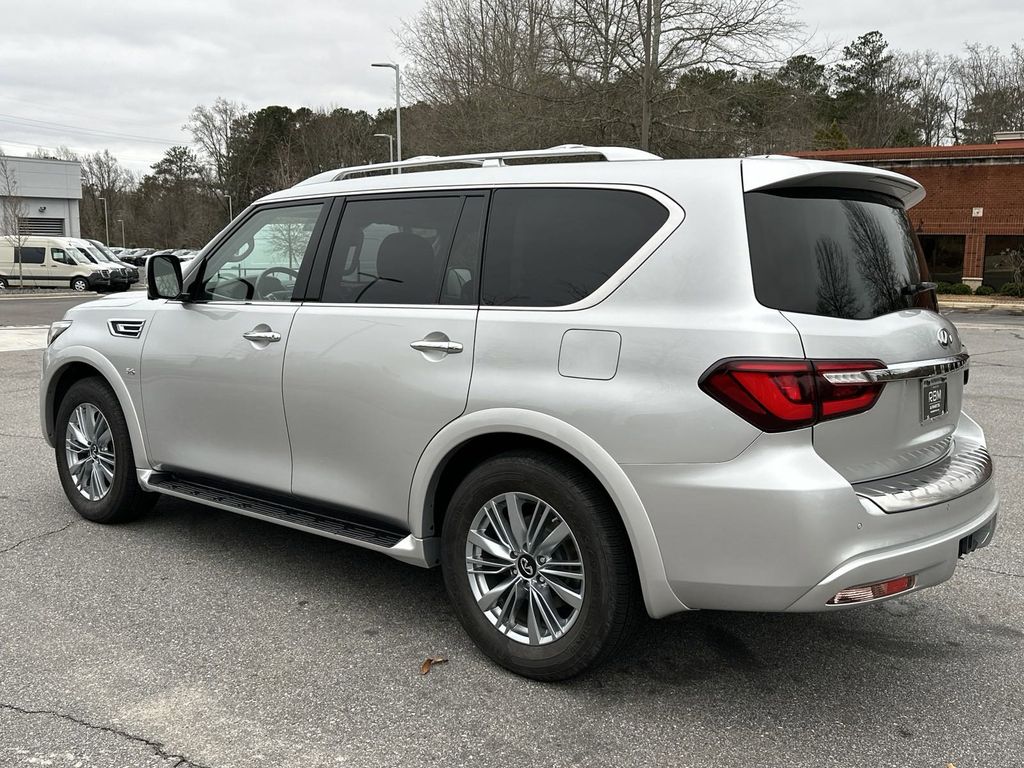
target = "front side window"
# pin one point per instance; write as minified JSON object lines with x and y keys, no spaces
{"x":553,"y":247}
{"x":397,"y":251}
{"x":59,"y":255}
{"x":261,"y":260}
{"x":29,"y":255}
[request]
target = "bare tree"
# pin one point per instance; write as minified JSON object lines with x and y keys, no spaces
{"x":933,"y":93}
{"x":650,"y":43}
{"x":12,"y":210}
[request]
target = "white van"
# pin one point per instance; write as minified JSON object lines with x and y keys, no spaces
{"x":49,"y":262}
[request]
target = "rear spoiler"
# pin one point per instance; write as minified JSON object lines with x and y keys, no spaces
{"x":782,"y":171}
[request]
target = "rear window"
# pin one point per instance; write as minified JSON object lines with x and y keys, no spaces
{"x":552,"y":247}
{"x":838,"y":253}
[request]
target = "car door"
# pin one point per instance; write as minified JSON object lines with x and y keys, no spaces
{"x":60,"y":268}
{"x":211,"y":365}
{"x":382,"y":362}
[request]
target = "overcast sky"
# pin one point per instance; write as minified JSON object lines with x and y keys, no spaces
{"x":124,"y":74}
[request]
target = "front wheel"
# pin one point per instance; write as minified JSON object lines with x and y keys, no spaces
{"x":95,"y":461}
{"x":539,"y":567}
{"x":80,"y":284}
{"x":3,"y":284}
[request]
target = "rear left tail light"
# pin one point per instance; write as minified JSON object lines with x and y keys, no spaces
{"x":776,"y":395}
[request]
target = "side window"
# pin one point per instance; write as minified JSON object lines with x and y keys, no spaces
{"x":461,"y":278}
{"x":262,"y":259}
{"x":29,"y":255}
{"x":392,"y":251}
{"x":59,"y":255}
{"x":552,"y":247}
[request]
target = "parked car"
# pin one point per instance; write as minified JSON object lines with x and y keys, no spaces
{"x":137,"y":256}
{"x":119,"y":276}
{"x":49,"y":262}
{"x":131,"y":270}
{"x":655,"y":385}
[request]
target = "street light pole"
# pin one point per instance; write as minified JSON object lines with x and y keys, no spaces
{"x":123,"y":243}
{"x":231,"y":214}
{"x":391,"y":145}
{"x":106,"y":221}
{"x":398,"y":108}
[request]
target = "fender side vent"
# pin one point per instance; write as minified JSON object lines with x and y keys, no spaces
{"x":128,"y":329}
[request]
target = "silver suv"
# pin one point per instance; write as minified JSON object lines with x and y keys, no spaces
{"x":586,"y":390}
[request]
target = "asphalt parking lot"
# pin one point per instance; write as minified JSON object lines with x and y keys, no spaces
{"x":194,"y":637}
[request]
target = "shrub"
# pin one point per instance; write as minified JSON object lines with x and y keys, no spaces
{"x":1012,"y":289}
{"x":943,"y":287}
{"x":984,"y":290}
{"x":958,"y":289}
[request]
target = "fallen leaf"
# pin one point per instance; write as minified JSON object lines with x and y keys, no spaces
{"x":430,"y":661}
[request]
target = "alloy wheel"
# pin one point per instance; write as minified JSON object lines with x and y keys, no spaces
{"x":89,"y":447}
{"x":525,"y":568}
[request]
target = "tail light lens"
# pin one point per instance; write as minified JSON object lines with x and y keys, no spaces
{"x":780,"y":395}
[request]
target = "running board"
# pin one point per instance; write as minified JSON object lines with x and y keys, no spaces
{"x":404,"y":547}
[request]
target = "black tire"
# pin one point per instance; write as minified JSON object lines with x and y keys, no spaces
{"x":79,"y":284}
{"x":3,"y":284}
{"x":612,"y":606}
{"x":125,"y":499}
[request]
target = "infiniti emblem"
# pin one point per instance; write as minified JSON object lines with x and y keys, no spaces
{"x":527,"y":567}
{"x":945,"y":337}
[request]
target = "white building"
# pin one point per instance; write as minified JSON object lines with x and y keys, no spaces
{"x":51,"y":191}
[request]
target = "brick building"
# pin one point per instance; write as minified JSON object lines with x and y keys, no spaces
{"x":974,"y":211}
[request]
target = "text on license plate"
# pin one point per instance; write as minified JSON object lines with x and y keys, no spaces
{"x":933,"y":398}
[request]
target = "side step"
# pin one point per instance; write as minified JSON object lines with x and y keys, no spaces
{"x":402,"y":546}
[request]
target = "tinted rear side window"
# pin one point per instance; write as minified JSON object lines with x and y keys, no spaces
{"x":29,"y":255}
{"x":834,"y":252}
{"x":392,"y":251}
{"x":552,"y":247}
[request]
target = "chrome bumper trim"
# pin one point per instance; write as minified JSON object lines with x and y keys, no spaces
{"x":917,"y":370}
{"x":967,"y":466}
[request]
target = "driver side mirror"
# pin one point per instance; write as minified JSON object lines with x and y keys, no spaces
{"x":163,"y":277}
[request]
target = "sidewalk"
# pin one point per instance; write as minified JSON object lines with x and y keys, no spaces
{"x":1000,"y":304}
{"x":22,"y":339}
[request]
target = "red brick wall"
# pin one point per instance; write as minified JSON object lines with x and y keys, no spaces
{"x":954,"y":190}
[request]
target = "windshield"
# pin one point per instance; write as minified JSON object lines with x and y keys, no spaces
{"x":99,"y":255}
{"x":80,"y":255}
{"x":834,"y":252}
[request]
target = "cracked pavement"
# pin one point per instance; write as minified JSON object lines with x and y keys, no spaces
{"x":194,"y":637}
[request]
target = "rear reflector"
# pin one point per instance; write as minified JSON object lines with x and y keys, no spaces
{"x":776,"y":395}
{"x":873,"y":591}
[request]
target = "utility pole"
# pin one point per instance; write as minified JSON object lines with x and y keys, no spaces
{"x":123,"y":243}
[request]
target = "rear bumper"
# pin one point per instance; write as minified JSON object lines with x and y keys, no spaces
{"x":778,"y":529}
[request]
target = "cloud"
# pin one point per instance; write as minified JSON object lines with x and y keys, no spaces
{"x":138,"y":68}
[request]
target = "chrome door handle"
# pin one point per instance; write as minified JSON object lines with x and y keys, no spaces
{"x":264,"y":336}
{"x":426,"y":345}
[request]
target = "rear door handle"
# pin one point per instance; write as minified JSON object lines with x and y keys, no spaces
{"x":262,"y":336}
{"x":427,"y":345}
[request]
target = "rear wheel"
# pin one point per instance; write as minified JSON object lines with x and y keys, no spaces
{"x":538,"y":566}
{"x":79,"y":284}
{"x":94,"y":455}
{"x":3,"y":284}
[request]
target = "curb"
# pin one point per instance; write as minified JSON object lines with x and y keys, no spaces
{"x":973,"y":306}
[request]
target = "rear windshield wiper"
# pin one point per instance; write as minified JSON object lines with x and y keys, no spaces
{"x":915,"y":288}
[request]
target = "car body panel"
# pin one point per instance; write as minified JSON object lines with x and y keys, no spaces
{"x":362,"y":404}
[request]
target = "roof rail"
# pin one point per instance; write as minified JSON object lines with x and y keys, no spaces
{"x":485,"y":159}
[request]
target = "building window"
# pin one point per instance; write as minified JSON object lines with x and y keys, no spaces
{"x":998,"y":262}
{"x":945,"y":256}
